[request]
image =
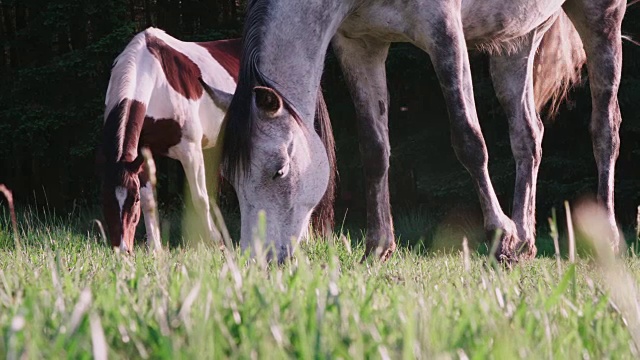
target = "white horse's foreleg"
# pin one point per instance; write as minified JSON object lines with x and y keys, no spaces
{"x":599,"y":24}
{"x":193,"y":162}
{"x":445,"y":43}
{"x":150,"y":212}
{"x":513,"y":82}
{"x":363,"y":63}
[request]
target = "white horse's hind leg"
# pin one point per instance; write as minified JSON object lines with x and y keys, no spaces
{"x":363,"y":63}
{"x":513,"y":82}
{"x":599,"y":24}
{"x":193,"y":162}
{"x":445,"y":43}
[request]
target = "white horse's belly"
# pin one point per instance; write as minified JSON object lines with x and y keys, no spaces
{"x":483,"y":21}
{"x":495,"y":20}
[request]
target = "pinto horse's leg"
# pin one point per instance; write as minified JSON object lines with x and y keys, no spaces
{"x":599,"y":24}
{"x":149,"y":212}
{"x":193,"y":162}
{"x":444,"y":41}
{"x":363,"y":63}
{"x":512,"y":76}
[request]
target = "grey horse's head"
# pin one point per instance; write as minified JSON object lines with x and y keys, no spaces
{"x":287,"y":175}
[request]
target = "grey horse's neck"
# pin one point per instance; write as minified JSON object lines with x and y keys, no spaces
{"x":303,"y":35}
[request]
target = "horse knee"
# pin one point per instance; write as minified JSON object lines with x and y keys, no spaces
{"x":605,"y":134}
{"x":375,"y":158}
{"x":526,"y":146}
{"x":470,"y":148}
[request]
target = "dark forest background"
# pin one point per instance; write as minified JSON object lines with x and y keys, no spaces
{"x":55,"y":59}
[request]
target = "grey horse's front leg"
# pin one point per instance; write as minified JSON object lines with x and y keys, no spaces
{"x":363,"y":63}
{"x":513,"y":82}
{"x":599,"y":24}
{"x":445,"y":43}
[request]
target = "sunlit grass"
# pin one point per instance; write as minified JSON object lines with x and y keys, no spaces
{"x":68,"y":295}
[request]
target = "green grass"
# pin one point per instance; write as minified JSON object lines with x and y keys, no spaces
{"x":65,"y":289}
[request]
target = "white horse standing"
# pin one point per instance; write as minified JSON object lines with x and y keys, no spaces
{"x":285,"y":42}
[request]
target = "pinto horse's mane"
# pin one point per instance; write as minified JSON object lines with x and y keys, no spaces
{"x":239,"y":123}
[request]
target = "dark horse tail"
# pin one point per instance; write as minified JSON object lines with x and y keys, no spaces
{"x":322,"y":219}
{"x":558,"y":64}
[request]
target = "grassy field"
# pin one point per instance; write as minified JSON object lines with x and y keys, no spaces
{"x":66,"y":295}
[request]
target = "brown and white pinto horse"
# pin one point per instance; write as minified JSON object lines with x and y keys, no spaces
{"x":156,"y":99}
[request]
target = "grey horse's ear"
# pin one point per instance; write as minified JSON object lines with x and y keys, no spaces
{"x":268,"y":100}
{"x":221,"y":98}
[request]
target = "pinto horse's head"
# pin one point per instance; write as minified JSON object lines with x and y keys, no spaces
{"x":121,"y":202}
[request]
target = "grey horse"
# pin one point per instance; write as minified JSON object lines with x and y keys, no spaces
{"x":537,"y":47}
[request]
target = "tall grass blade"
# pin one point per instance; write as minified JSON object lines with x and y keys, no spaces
{"x":12,"y":212}
{"x":188,"y":302}
{"x":571,"y":233}
{"x":81,"y":308}
{"x":562,"y":287}
{"x":637,"y":242}
{"x":97,"y":338}
{"x":493,"y":261}
{"x":592,"y":221}
{"x":553,"y":226}
{"x":466,"y":256}
{"x":103,"y":234}
{"x":222,"y":226}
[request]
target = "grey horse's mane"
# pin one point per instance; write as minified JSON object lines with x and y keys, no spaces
{"x":239,"y":123}
{"x":238,"y":127}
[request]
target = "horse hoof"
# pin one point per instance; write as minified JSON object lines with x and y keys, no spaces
{"x":509,"y":249}
{"x":527,"y":250}
{"x":382,"y":253}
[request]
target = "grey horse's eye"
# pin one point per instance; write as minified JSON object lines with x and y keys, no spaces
{"x":282,"y":172}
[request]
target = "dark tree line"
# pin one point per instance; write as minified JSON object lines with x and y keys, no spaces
{"x":56,"y":56}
